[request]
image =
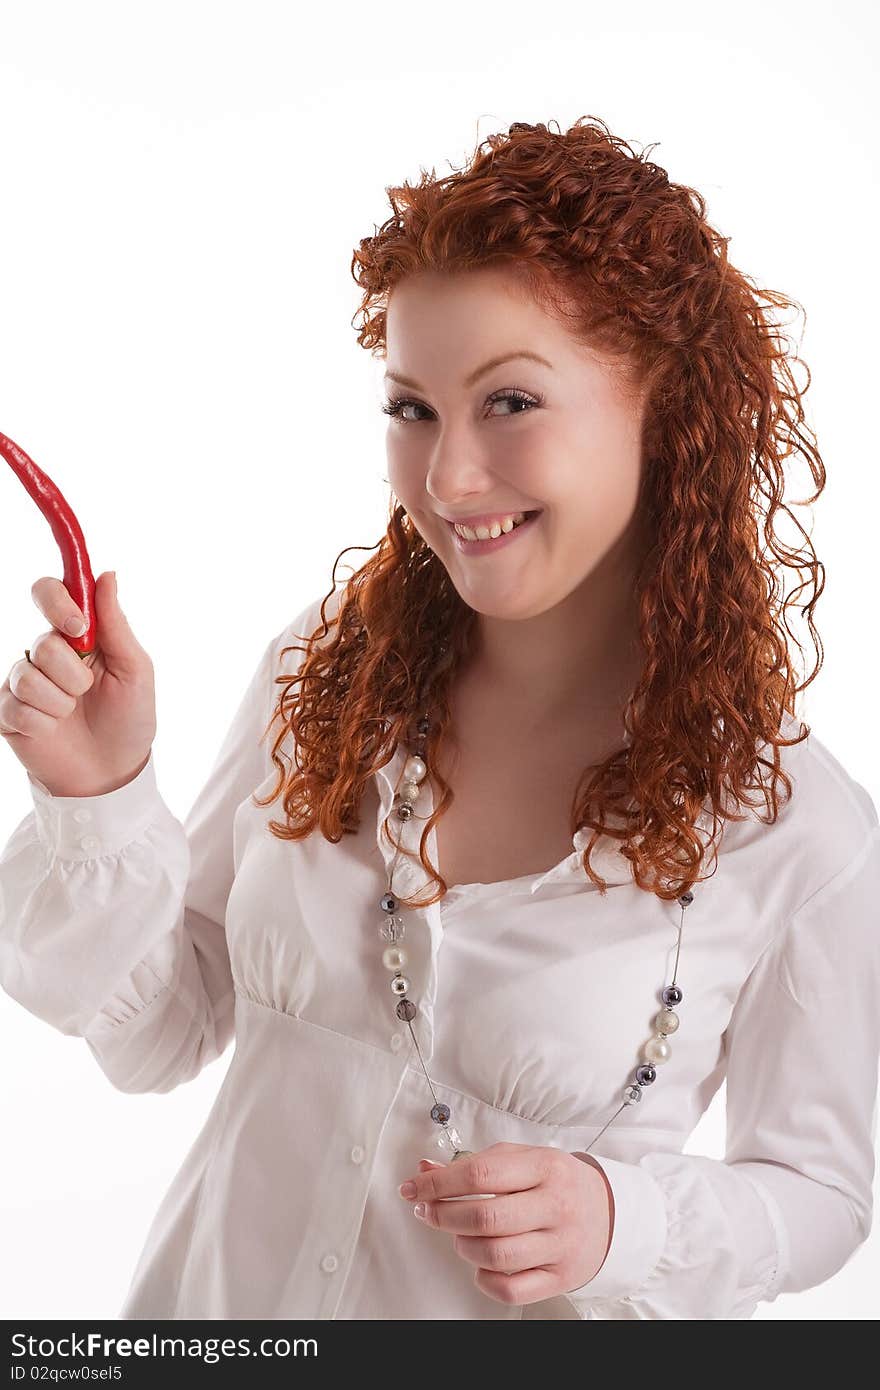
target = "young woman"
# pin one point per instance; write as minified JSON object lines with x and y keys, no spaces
{"x":539,"y":855}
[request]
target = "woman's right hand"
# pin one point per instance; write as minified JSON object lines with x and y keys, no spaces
{"x":83,"y":726}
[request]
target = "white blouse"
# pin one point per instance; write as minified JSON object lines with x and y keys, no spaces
{"x":159,"y":942}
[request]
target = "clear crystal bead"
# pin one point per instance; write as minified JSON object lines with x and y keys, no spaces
{"x":392,"y":928}
{"x":447,"y":1138}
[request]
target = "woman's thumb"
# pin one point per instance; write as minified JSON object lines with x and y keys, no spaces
{"x":115,"y":637}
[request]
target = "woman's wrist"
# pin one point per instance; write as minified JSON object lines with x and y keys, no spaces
{"x":588,"y":1158}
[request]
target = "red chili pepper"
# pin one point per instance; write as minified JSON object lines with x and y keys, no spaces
{"x":78,"y":578}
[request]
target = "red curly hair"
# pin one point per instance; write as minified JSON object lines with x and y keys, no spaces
{"x":627,"y":260}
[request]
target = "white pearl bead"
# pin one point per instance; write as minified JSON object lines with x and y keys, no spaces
{"x":394,"y":957}
{"x":415,"y":769}
{"x":656,"y":1050}
{"x":666,"y":1021}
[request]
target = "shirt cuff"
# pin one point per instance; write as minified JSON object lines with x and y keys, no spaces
{"x":84,"y":827}
{"x":640,"y":1229}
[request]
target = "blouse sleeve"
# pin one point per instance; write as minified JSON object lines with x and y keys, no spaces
{"x":703,"y":1238}
{"x":112,"y":912}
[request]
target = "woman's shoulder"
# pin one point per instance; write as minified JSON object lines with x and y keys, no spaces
{"x":822,"y":828}
{"x":827,"y":788}
{"x":298,"y":629}
{"x":308,"y":619}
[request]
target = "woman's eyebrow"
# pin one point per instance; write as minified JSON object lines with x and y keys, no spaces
{"x":480,"y":371}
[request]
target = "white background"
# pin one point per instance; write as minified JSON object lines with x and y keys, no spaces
{"x":183,"y":187}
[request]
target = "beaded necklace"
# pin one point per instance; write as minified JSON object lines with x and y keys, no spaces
{"x":445,"y":1136}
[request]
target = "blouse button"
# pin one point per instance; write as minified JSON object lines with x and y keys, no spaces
{"x":82,"y":815}
{"x":357,"y":1154}
{"x":90,"y":842}
{"x":329,"y":1263}
{"x":396,"y":1041}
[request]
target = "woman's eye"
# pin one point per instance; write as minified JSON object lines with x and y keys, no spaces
{"x":517,"y":398}
{"x":395,"y":408}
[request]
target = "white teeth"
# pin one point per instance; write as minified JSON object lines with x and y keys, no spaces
{"x":485,"y":533}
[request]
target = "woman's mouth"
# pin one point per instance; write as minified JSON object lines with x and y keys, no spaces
{"x":485,"y":547}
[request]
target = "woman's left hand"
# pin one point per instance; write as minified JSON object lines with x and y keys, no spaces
{"x":546,"y":1231}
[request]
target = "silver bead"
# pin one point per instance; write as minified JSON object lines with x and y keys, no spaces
{"x":394,"y":958}
{"x":415,"y":769}
{"x":399,"y":984}
{"x":404,"y":811}
{"x":667,"y":1021}
{"x":632,"y":1095}
{"x":409,"y":791}
{"x":656,"y":1050}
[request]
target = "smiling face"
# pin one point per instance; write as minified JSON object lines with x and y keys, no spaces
{"x":561,"y":437}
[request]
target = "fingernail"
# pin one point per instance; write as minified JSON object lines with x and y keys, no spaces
{"x":75,"y":626}
{"x":407,"y":1189}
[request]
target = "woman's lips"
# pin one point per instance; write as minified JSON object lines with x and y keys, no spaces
{"x":496,"y":542}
